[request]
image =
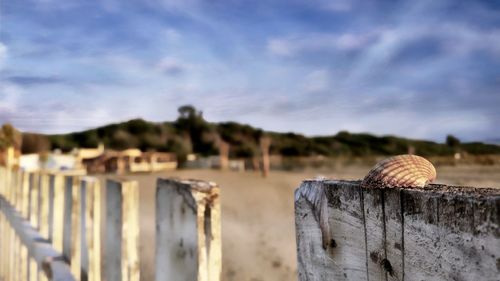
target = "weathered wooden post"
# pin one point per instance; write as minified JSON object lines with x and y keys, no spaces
{"x":90,"y":193}
{"x":265,"y":144}
{"x":34,"y":211}
{"x":76,"y":229}
{"x":44,"y":204}
{"x":58,"y":211}
{"x":346,"y":231}
{"x":188,"y":244}
{"x":223,"y":154}
{"x":16,"y":256}
{"x":122,"y":231}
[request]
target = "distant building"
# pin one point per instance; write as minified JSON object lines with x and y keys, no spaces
{"x":131,"y":161}
{"x":51,"y":162}
{"x":213,"y":162}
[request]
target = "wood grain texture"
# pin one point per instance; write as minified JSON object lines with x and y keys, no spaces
{"x":58,"y":212}
{"x":343,"y":256}
{"x":44,"y":205}
{"x":188,"y":231}
{"x":34,"y":210}
{"x":130,"y":231}
{"x":76,"y":229}
{"x":435,"y":233}
{"x":122,"y":231}
{"x":25,"y":204}
{"x":91,"y":190}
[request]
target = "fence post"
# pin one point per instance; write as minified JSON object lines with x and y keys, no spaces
{"x":76,"y":228}
{"x":44,"y":204}
{"x":188,"y":245}
{"x":346,"y":231}
{"x":58,"y":211}
{"x":122,"y":231}
{"x":25,"y":195}
{"x":34,"y":210}
{"x":91,"y":191}
{"x":17,"y":242}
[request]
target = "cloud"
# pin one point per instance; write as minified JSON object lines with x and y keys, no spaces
{"x":319,"y":42}
{"x":34,"y":80}
{"x":9,"y":99}
{"x":172,"y":66}
{"x":316,"y":68}
{"x":338,"y":5}
{"x":3,"y":54}
{"x":172,"y":35}
{"x":317,"y":81}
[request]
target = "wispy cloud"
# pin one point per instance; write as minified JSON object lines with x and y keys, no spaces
{"x":172,"y":66}
{"x":314,"y":67}
{"x":319,"y":42}
{"x":3,"y":55}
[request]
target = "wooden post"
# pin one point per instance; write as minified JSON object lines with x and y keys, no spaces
{"x":91,"y":190}
{"x":1,"y":238}
{"x":265,"y":144}
{"x":223,"y":154}
{"x":16,"y":243}
{"x":188,"y":243}
{"x":76,"y":228}
{"x":58,"y":212}
{"x":24,"y":263}
{"x":122,"y":231}
{"x":3,"y":243}
{"x":432,"y":233}
{"x":34,"y":211}
{"x":44,"y":205}
{"x":67,"y":251}
{"x":25,"y":205}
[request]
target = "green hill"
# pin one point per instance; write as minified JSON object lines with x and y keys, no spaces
{"x":191,"y":133}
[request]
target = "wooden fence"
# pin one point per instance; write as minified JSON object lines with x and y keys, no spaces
{"x":348,"y":232}
{"x":50,"y":228}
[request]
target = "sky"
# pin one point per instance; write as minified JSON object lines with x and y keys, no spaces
{"x":419,"y":69}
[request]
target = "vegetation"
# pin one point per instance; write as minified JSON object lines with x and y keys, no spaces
{"x":9,"y":136}
{"x":191,"y":133}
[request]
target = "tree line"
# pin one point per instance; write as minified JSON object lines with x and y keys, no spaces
{"x":191,"y":133}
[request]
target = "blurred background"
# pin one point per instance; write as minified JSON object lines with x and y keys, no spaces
{"x":255,"y":96}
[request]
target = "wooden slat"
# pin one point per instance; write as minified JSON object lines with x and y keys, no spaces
{"x":187,"y":222}
{"x":93,"y":227}
{"x":33,"y":270}
{"x":25,"y":195}
{"x":13,"y":254}
{"x":34,"y":211}
{"x":24,"y":259}
{"x":68,"y":215}
{"x":76,"y":228}
{"x":59,"y":212}
{"x":130,"y":231}
{"x":24,"y":263}
{"x":44,"y":205}
{"x":8,"y":247}
{"x":50,"y":220}
{"x":113,"y":240}
{"x":122,"y":233}
{"x":2,"y":243}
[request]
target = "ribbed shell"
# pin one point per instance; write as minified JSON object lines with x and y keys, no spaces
{"x":401,"y":171}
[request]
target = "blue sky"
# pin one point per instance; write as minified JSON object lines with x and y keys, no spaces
{"x":420,"y":69}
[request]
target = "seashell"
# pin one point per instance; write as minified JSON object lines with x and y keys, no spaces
{"x":401,"y":171}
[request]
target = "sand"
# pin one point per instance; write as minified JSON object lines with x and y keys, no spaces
{"x":258,"y":235}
